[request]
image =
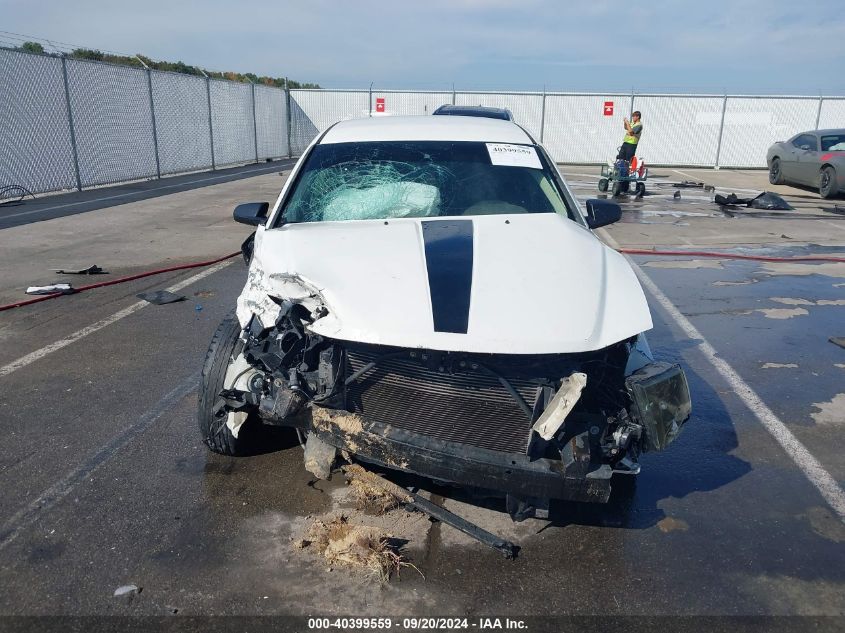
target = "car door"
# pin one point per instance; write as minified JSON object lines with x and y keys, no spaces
{"x":789,"y":158}
{"x":807,"y":163}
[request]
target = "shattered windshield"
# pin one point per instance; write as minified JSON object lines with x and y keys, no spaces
{"x":416,"y":179}
{"x":833,"y":142}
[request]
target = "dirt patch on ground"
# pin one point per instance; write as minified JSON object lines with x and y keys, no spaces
{"x":829,"y":269}
{"x":686,"y":263}
{"x":832,"y":412}
{"x":671,"y":524}
{"x":793,"y":301}
{"x":734,"y":283}
{"x":782,"y":313}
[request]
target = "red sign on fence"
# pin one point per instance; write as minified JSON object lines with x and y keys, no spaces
{"x":379,"y":104}
{"x":608,"y":108}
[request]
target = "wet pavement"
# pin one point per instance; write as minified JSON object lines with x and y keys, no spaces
{"x":107,"y":484}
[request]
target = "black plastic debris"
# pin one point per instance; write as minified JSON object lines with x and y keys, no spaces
{"x":770,"y":201}
{"x":677,"y":195}
{"x":766,"y":200}
{"x":160,"y":297}
{"x":91,"y":270}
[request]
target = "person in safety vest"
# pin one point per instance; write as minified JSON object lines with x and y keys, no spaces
{"x":633,"y":131}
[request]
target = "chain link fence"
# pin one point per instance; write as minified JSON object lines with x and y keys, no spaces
{"x":68,"y":124}
{"x":73,"y":124}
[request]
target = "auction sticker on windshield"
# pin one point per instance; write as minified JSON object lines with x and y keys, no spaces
{"x":513,"y":155}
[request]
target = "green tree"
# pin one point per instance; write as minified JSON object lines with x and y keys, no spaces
{"x":31,"y":47}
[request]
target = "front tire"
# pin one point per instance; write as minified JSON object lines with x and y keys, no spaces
{"x":224,"y":349}
{"x":775,"y":172}
{"x":827,"y":182}
{"x":617,"y":188}
{"x":603,"y":184}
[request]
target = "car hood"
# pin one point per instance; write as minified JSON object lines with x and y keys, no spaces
{"x":517,"y":284}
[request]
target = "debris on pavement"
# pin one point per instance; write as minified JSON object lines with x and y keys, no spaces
{"x":65,"y":289}
{"x":363,"y":547}
{"x":370,"y":497}
{"x":677,"y":195}
{"x":91,"y":270}
{"x":508,"y":549}
{"x":766,"y":200}
{"x":127,"y":590}
{"x":160,"y":297}
{"x":838,"y":340}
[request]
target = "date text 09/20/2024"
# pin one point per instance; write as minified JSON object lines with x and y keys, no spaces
{"x":387,"y":624}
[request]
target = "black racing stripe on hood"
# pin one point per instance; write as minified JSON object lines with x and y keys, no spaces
{"x":448,"y":260}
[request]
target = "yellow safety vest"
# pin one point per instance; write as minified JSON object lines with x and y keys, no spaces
{"x":634,"y":137}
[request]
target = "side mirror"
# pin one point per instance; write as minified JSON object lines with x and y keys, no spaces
{"x":806,"y":148}
{"x":601,"y":213}
{"x":252,"y":213}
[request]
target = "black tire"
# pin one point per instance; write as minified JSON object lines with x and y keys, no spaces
{"x":225,"y":347}
{"x":775,"y":172}
{"x":640,"y":189}
{"x":617,"y":188}
{"x":603,"y":185}
{"x":827,"y":182}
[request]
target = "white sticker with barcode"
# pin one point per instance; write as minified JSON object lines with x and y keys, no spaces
{"x":514,"y":155}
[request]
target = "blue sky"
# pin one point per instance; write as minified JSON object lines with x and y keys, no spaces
{"x":738,"y":46}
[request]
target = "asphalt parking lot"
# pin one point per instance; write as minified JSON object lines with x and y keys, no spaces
{"x":106,"y":482}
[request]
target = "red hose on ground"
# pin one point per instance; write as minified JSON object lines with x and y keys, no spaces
{"x":756,"y":258}
{"x":627,"y":251}
{"x":119,"y":280}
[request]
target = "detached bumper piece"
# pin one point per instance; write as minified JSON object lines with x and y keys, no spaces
{"x":660,"y":402}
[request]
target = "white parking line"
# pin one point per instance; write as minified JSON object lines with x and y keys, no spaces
{"x":142,"y":192}
{"x":26,"y":517}
{"x":23,"y":361}
{"x":809,"y":465}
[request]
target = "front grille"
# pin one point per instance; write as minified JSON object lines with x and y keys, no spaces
{"x":467,"y":408}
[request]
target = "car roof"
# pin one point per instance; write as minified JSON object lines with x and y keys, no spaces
{"x":467,"y":110}
{"x":426,"y":128}
{"x":833,"y":131}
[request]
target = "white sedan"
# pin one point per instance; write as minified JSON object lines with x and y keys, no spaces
{"x":427,"y":295}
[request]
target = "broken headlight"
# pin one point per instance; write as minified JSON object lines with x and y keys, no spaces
{"x":660,"y":402}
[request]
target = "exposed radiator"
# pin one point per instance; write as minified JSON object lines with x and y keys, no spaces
{"x":471,"y":408}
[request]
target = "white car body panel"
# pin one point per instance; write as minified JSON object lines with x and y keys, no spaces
{"x":541,"y":284}
{"x":427,"y":128}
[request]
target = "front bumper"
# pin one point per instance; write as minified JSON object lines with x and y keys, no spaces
{"x":512,"y":473}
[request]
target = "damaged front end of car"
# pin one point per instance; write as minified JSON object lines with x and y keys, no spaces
{"x":531,"y":427}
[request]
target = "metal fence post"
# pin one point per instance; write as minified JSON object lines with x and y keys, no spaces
{"x":70,"y":125}
{"x":370,"y":113}
{"x":453,"y":93}
{"x":288,"y":117}
{"x":153,"y":119}
{"x":721,"y":130}
{"x":210,"y":125}
{"x":254,"y":122}
{"x":819,"y":112}
{"x":543,"y":115}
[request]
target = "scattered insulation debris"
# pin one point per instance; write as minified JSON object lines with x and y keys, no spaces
{"x":370,"y":497}
{"x":366,"y":548}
